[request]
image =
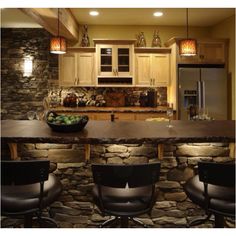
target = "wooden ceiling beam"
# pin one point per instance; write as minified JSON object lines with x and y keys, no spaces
{"x":47,"y":18}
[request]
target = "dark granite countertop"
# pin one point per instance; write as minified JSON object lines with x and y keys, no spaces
{"x":159,"y":109}
{"x":129,"y":132}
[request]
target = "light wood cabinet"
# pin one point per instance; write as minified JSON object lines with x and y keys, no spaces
{"x":152,"y":69}
{"x":85,"y":69}
{"x":143,"y":69}
{"x":77,"y":69}
{"x":119,"y":116}
{"x":67,"y":69}
{"x":161,"y":69}
{"x":212,"y":52}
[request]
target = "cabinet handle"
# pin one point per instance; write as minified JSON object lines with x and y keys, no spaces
{"x":201,"y":56}
{"x":77,"y":81}
{"x":114,"y":71}
{"x":154,"y":81}
{"x":117,"y":72}
{"x":151,"y":81}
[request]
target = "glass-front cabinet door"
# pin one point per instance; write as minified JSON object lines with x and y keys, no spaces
{"x":114,"y":60}
{"x":106,"y":60}
{"x":123,"y":63}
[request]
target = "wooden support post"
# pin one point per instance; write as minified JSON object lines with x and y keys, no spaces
{"x":87,"y":153}
{"x":160,"y":150}
{"x":13,"y":151}
{"x":232,"y":150}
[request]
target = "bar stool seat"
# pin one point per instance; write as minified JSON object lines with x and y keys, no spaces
{"x":222,"y":199}
{"x":26,"y":197}
{"x":124,"y":201}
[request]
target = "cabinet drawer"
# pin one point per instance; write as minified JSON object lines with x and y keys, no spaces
{"x":145,"y":116}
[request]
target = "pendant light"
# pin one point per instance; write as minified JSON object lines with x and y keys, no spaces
{"x":187,"y":47}
{"x":58,"y":43}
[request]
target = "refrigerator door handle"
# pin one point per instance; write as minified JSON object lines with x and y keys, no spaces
{"x":199,"y":93}
{"x":203,"y":95}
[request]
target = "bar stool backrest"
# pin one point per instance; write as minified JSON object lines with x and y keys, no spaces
{"x":118,"y":176}
{"x":24,"y":172}
{"x":222,"y":174}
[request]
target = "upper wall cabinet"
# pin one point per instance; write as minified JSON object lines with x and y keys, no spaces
{"x":209,"y":51}
{"x":67,"y":69}
{"x":77,"y":68}
{"x":152,"y":69}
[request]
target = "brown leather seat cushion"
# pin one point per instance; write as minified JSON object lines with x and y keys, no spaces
{"x":15,"y":199}
{"x":222,"y":199}
{"x":122,"y":200}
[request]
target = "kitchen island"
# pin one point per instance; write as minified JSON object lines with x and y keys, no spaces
{"x":112,"y":145}
{"x":106,"y":132}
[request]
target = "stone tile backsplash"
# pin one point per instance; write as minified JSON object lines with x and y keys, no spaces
{"x":92,"y":96}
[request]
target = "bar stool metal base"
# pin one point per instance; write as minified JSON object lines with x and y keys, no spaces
{"x":123,"y":221}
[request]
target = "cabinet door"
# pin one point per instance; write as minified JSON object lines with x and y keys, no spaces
{"x":106,"y":60}
{"x":143,"y":69}
{"x":125,"y":116}
{"x":102,"y":116}
{"x":67,"y":69}
{"x":212,"y":52}
{"x":85,"y":69}
{"x":160,"y":69}
{"x":123,"y":63}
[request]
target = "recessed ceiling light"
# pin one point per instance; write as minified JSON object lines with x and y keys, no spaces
{"x":93,"y":13}
{"x":158,"y":14}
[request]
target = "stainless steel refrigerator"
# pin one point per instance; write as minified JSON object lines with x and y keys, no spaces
{"x":202,"y":88}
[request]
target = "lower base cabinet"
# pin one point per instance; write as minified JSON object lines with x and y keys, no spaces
{"x":119,"y":116}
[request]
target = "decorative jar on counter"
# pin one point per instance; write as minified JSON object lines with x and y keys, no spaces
{"x":70,"y":100}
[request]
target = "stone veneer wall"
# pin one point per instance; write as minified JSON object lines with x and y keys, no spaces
{"x":19,"y":93}
{"x":75,"y":207}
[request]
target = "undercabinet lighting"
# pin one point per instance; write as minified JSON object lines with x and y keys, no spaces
{"x":158,"y":14}
{"x":28,"y":66}
{"x":93,"y":13}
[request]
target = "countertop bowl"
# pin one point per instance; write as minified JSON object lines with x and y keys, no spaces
{"x":70,"y":128}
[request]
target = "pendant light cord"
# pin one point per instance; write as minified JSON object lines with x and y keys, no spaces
{"x":187,"y":20}
{"x":58,"y":22}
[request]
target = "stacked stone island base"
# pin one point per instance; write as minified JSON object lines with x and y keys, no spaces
{"x":172,"y":209}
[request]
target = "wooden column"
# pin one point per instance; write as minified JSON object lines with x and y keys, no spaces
{"x":13,"y":151}
{"x":160,"y":151}
{"x":87,"y":153}
{"x":232,"y":150}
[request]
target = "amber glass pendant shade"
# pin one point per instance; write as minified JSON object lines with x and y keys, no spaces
{"x":58,"y":45}
{"x":188,"y":47}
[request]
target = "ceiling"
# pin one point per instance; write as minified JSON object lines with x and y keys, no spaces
{"x":144,"y":16}
{"x":127,"y":16}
